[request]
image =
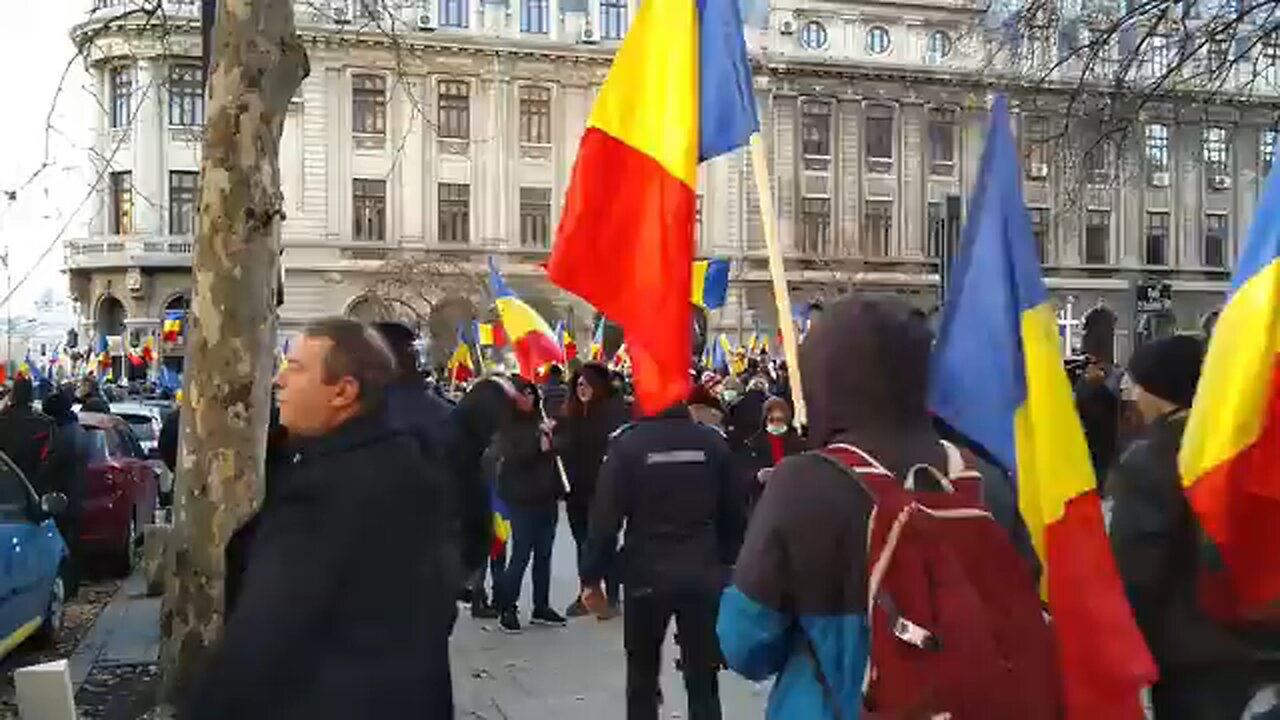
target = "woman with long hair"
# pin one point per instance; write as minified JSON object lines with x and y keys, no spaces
{"x":592,"y":413}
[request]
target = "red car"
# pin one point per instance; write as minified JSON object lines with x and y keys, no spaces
{"x":121,"y":489}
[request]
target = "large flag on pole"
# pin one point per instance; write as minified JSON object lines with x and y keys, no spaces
{"x":530,"y":335}
{"x":679,"y":92}
{"x":1230,"y":456}
{"x":596,"y":353}
{"x":997,"y":377}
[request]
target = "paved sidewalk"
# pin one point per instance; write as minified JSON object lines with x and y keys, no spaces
{"x":126,"y":633}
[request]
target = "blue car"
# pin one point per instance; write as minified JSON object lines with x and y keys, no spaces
{"x":33,"y":587}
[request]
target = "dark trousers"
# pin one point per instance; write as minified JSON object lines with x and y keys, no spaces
{"x":533,"y":534}
{"x":579,"y":513}
{"x":495,"y":567}
{"x":645,"y":619}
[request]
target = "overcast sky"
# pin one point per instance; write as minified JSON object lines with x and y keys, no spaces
{"x":34,"y":50}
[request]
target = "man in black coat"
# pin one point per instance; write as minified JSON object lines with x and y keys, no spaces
{"x":26,"y":436}
{"x":671,"y":480}
{"x":335,"y":614}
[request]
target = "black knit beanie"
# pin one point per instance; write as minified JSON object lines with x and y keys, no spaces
{"x":1169,"y":368}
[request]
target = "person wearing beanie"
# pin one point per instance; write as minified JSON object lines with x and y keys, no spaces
{"x":1207,"y":671}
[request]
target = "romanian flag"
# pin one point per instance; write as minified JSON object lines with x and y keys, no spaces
{"x":501,"y":528}
{"x":172,"y":327}
{"x":679,"y":92}
{"x":148,"y":351}
{"x":596,"y":353}
{"x":567,"y":343}
{"x":486,"y":334}
{"x":621,"y":359}
{"x":460,"y":366}
{"x":1009,"y":393}
{"x":710,"y":283}
{"x":532,"y":338}
{"x":1230,"y":455}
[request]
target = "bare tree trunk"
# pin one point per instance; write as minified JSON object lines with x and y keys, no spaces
{"x":258,"y":64}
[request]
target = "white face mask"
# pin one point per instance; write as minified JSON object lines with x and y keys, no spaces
{"x":776,"y":428}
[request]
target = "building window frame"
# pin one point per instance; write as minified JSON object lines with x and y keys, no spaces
{"x":1155,"y":142}
{"x":813,"y":35}
{"x":938,"y":47}
{"x":120,"y":83}
{"x":1097,"y":236}
{"x":535,"y":217}
{"x":613,"y":19}
{"x":879,"y":40}
{"x":877,"y":226}
{"x":879,"y":126}
{"x":1267,"y":150}
{"x":943,"y":141}
{"x":1216,"y":140}
{"x":1155,"y":251}
{"x":454,"y":213}
{"x":1035,"y":147}
{"x":815,"y":128}
{"x":369,"y":104}
{"x":186,"y":95}
{"x":453,"y":121}
{"x":454,"y":13}
{"x":535,"y":16}
{"x":936,"y":229}
{"x":1097,"y":162}
{"x":1040,"y":231}
{"x":535,"y":114}
{"x":1216,"y":240}
{"x":120,"y":196}
{"x":814,"y":237}
{"x":184,"y":202}
{"x":369,"y":210}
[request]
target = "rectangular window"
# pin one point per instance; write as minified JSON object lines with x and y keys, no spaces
{"x":613,"y":19}
{"x":877,"y":226}
{"x":1158,"y":55}
{"x":815,"y":225}
{"x":183,"y":198}
{"x":369,"y":210}
{"x":455,"y":213}
{"x":535,"y":115}
{"x":1217,"y":55}
{"x":121,"y":220}
{"x":1157,"y":245}
{"x":1215,"y":241}
{"x":453,"y":13}
{"x":1270,"y":60}
{"x":942,"y":142}
{"x":186,"y":96}
{"x":533,"y":16}
{"x":879,"y":147}
{"x":121,"y":79}
{"x":1035,"y":147}
{"x":455,"y":110}
{"x":369,"y":104}
{"x":1267,"y":149}
{"x":1217,"y":158}
{"x":1097,"y":162}
{"x":1157,"y":149}
{"x":535,"y":217}
{"x":936,"y":222}
{"x":1040,"y":231}
{"x":1097,"y":237}
{"x":815,"y":128}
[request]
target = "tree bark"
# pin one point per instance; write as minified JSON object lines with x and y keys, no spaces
{"x":258,"y":64}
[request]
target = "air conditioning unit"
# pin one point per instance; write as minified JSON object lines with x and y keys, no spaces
{"x":1220,"y":182}
{"x":787,"y":26}
{"x":425,"y":21}
{"x":1037,"y":171}
{"x":587,"y":35}
{"x":1160,"y":179}
{"x":341,"y":12}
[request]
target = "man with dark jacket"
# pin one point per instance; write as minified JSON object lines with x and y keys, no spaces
{"x":1207,"y":672}
{"x":671,"y":480}
{"x":799,"y":593}
{"x":67,"y":466}
{"x":26,"y":436}
{"x":335,"y":614}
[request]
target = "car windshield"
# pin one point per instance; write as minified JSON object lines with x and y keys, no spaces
{"x":141,"y":425}
{"x":96,"y":445}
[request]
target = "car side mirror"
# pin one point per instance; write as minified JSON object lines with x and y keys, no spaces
{"x":53,"y":504}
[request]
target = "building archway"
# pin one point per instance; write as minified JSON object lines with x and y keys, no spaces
{"x":109,"y":316}
{"x":1098,"y":336}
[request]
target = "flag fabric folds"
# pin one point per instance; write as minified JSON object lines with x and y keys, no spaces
{"x":172,"y":327}
{"x":501,"y":525}
{"x":596,"y":352}
{"x":679,"y":92}
{"x":1230,"y":455}
{"x":997,"y":377}
{"x":710,"y":283}
{"x":531,"y":337}
{"x":460,"y":367}
{"x":484,"y":334}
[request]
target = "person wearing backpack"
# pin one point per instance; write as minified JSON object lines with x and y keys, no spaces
{"x":977,"y":648}
{"x":1207,"y":671}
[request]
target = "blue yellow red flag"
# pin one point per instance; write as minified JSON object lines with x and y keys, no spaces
{"x":710,"y":282}
{"x":531,"y":337}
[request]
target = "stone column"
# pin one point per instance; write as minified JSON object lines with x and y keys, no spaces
{"x":785,"y":170}
{"x":848,"y":175}
{"x":150,"y":139}
{"x":912,"y":178}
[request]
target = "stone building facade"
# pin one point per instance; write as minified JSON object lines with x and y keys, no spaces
{"x":433,"y":135}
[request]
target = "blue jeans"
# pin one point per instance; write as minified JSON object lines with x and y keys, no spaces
{"x":533,"y":533}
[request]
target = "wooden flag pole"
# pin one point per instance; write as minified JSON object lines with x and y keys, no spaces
{"x":778,"y":274}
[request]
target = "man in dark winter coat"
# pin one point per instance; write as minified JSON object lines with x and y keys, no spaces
{"x":67,"y":466}
{"x":335,"y":614}
{"x":26,"y":436}
{"x":1207,"y":672}
{"x":799,"y":591}
{"x":671,"y":480}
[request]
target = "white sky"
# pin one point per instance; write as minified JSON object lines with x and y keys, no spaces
{"x":34,"y":49}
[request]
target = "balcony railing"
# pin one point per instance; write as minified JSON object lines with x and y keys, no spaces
{"x":170,"y":8}
{"x":130,"y":251}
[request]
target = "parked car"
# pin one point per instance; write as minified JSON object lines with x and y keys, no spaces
{"x":145,"y":419}
{"x":33,"y":581}
{"x":121,"y":490}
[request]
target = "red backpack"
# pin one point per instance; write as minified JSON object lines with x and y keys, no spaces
{"x":957,"y":630}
